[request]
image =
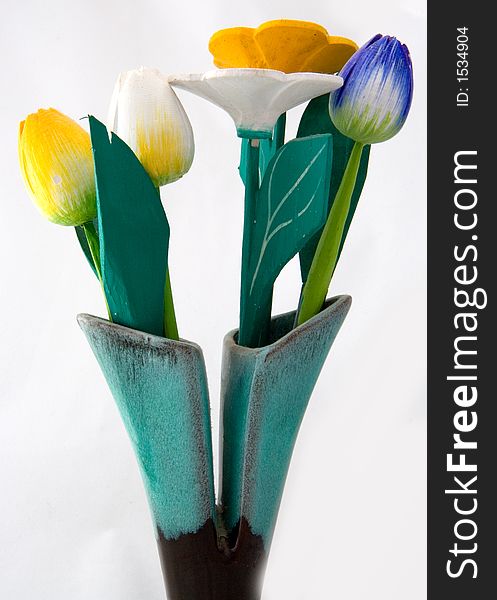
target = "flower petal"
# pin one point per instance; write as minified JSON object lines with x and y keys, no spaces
{"x":255,"y":98}
{"x":57,"y":165}
{"x":332,"y":57}
{"x":236,"y":46}
{"x":375,"y":99}
{"x":147,"y":115}
{"x":284,"y":45}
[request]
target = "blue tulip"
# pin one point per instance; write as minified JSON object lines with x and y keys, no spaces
{"x":373,"y":103}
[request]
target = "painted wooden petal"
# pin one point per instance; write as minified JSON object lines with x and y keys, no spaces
{"x":285,"y":46}
{"x":255,"y":98}
{"x":331,"y":57}
{"x":316,"y":120}
{"x":236,"y":47}
{"x":134,"y":234}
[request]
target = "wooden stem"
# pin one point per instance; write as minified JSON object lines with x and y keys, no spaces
{"x":251,"y":191}
{"x":170,"y":324}
{"x":94,"y":246}
{"x":327,"y":252}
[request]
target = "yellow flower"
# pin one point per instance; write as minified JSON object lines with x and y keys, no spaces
{"x":283,"y":45}
{"x":57,"y":165}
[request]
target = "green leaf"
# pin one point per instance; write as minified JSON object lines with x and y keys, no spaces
{"x":292,"y":205}
{"x":316,"y":120}
{"x":134,"y":234}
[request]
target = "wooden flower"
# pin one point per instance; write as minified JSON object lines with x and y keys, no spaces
{"x":57,"y":166}
{"x":255,"y":98}
{"x":374,"y":102}
{"x":147,"y":115}
{"x":284,"y":45}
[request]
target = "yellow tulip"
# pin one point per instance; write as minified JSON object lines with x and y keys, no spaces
{"x":284,"y":45}
{"x":57,"y":165}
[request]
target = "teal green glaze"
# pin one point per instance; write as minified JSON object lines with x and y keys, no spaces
{"x":134,"y":234}
{"x":316,"y":119}
{"x":236,"y":381}
{"x":265,"y":393}
{"x":160,"y":387}
{"x":292,"y":205}
{"x":253,"y":135}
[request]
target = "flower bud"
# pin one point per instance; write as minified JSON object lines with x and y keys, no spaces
{"x":57,"y":165}
{"x":147,"y":115}
{"x":373,"y":103}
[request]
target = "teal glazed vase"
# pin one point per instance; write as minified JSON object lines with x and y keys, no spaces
{"x":264,"y":395}
{"x":211,"y":552}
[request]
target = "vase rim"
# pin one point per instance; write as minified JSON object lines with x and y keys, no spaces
{"x":85,"y":319}
{"x":342,"y":301}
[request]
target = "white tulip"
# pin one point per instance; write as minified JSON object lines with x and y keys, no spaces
{"x":255,"y":98}
{"x":147,"y":115}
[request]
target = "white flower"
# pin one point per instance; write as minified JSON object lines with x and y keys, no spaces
{"x":147,"y":115}
{"x":255,"y":98}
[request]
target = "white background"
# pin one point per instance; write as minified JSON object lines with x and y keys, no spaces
{"x":74,"y":524}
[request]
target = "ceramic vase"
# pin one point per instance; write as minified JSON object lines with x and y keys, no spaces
{"x":209,"y":551}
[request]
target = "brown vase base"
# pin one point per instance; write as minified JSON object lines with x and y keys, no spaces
{"x":195,"y":568}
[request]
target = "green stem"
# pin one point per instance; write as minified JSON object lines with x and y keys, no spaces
{"x":170,"y":325}
{"x":326,"y":256}
{"x":94,"y":246}
{"x":279,"y":131}
{"x":251,"y":190}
